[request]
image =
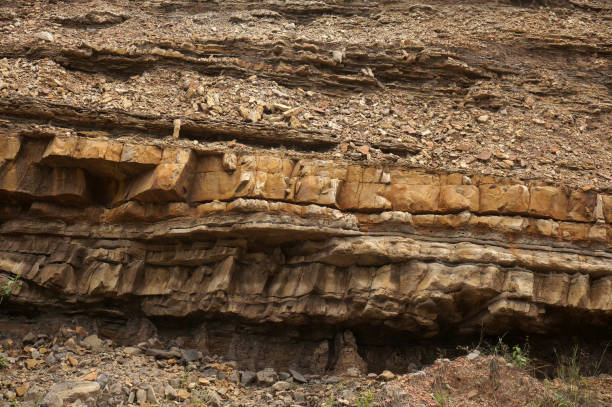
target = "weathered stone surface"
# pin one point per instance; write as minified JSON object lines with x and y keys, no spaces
{"x":270,"y":239}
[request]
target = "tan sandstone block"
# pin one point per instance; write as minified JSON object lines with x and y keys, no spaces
{"x":87,"y":148}
{"x":316,"y":189}
{"x":456,"y":198}
{"x":552,"y":288}
{"x":504,"y":199}
{"x":579,"y":291}
{"x":547,"y":201}
{"x":581,"y":206}
{"x":354,"y":173}
{"x":519,"y":283}
{"x":9,"y":146}
{"x":210,"y":186}
{"x":141,"y":154}
{"x":601,"y":294}
{"x":413,"y":198}
{"x":413,"y":177}
{"x":452,"y":179}
{"x":68,"y":185}
{"x":573,"y":231}
{"x":169,"y":181}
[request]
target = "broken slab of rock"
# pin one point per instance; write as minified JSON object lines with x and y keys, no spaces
{"x":70,"y":391}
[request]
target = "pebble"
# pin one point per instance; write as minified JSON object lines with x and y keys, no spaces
{"x":387,"y":375}
{"x":45,"y":35}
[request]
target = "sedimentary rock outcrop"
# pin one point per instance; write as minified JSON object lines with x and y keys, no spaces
{"x":279,"y":238}
{"x":138,"y":182}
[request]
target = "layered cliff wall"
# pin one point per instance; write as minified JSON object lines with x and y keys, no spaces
{"x":275,"y":238}
{"x":149,"y":178}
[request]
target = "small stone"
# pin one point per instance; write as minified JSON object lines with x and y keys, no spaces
{"x":472,"y":394}
{"x":69,"y":391}
{"x":281,"y":386}
{"x":483,"y":118}
{"x":299,"y":397}
{"x":234,"y":377}
{"x":267,"y":377}
{"x":141,"y":396}
{"x":72,"y":360}
{"x":332,"y":379}
{"x":21,"y":390}
{"x":254,"y":115}
{"x":182,"y":394}
{"x":408,"y":129}
{"x":484,"y":156}
{"x":353,"y":372}
{"x":29,"y":337}
{"x":214,"y":399}
{"x":32,"y":363}
{"x":51,"y":359}
{"x":177,"y":129}
{"x":365,"y":149}
{"x":115,"y":389}
{"x":130,"y":350}
{"x":45,"y":35}
{"x":248,"y":377}
{"x":348,"y":395}
{"x":102,"y":379}
{"x":337,"y":56}
{"x":473,"y":354}
{"x":293,"y":112}
{"x":169,"y":391}
{"x":91,"y":376}
{"x":387,"y":375}
{"x":80,"y":331}
{"x":93,"y":342}
{"x":297,"y":376}
{"x":192,"y":355}
{"x":295,"y":122}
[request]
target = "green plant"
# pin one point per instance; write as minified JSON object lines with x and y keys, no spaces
{"x":441,"y":393}
{"x":199,"y":398}
{"x":331,"y":400}
{"x":573,"y":389}
{"x":441,"y":398}
{"x":8,"y":287}
{"x":520,"y":357}
{"x":3,"y":362}
{"x":365,"y":399}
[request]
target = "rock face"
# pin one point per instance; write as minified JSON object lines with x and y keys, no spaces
{"x":140,"y":216}
{"x":276,"y":238}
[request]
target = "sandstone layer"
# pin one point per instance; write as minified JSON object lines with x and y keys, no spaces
{"x":190,"y":204}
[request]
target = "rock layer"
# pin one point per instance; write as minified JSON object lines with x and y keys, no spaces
{"x":112,"y":226}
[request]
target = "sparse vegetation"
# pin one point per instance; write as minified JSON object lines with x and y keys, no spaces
{"x":3,"y":362}
{"x":8,"y":287}
{"x":365,"y":399}
{"x":441,"y":392}
{"x":570,"y":388}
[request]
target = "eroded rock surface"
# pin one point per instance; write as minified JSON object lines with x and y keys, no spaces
{"x":246,"y":176}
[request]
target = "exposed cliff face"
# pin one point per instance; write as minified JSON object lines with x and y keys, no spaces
{"x":272,"y":238}
{"x":102,"y":216}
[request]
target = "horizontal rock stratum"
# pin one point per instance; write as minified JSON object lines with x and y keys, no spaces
{"x":115,"y":226}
